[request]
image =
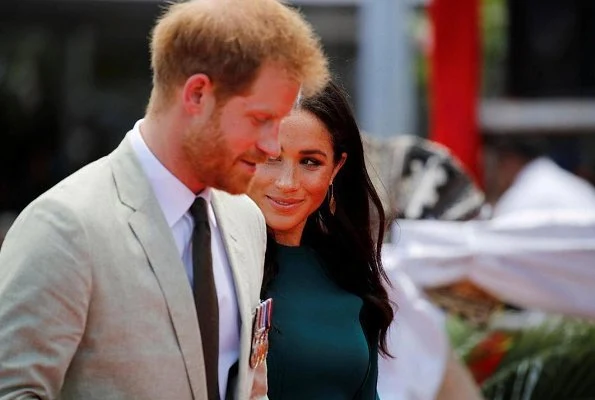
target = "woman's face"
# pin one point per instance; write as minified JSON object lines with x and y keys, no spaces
{"x":291,"y":187}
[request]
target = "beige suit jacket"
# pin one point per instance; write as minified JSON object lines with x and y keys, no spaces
{"x":94,"y":299}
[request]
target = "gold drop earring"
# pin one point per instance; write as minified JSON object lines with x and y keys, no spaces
{"x":332,"y":205}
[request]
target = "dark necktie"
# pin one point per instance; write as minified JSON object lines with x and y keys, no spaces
{"x":205,"y":294}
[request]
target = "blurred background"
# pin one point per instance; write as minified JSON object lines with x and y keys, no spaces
{"x":74,"y":76}
{"x":481,"y":79}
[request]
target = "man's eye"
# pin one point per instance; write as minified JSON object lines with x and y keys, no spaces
{"x":260,"y":120}
{"x":272,"y":160}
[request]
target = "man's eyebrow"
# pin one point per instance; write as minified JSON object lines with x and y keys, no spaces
{"x":265,"y":111}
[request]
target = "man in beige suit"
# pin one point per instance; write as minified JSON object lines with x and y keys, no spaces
{"x":98,"y":276}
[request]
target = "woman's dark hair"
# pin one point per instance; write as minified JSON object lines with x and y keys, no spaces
{"x":344,"y":238}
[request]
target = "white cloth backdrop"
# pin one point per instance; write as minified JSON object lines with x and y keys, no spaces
{"x":539,"y":260}
{"x":537,"y":252}
{"x":417,"y":340}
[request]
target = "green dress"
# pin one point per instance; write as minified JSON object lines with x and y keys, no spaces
{"x":318,"y":349}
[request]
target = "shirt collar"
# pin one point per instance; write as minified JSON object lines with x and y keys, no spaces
{"x":173,"y":196}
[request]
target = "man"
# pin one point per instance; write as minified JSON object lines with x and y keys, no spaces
{"x":101,"y":293}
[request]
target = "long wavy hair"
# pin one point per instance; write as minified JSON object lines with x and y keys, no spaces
{"x":343,"y":237}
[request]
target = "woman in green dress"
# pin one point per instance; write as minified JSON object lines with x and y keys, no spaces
{"x":323,"y":270}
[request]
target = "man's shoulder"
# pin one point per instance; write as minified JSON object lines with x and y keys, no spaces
{"x":68,"y":208}
{"x":237,"y":203}
{"x":84,"y":192}
{"x":242,"y":212}
{"x":83,"y":184}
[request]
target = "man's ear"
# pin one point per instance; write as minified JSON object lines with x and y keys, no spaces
{"x":198,"y":95}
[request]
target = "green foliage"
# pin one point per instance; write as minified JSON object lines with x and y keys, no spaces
{"x":554,"y":360}
{"x":494,"y":26}
{"x":463,"y":335}
{"x":555,"y":333}
{"x":559,"y":373}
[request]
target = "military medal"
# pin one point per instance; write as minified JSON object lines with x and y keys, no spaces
{"x":260,"y":333}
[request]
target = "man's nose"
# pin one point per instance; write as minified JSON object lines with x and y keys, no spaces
{"x":268,"y":141}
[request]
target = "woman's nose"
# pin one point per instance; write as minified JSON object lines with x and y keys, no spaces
{"x":287,"y":180}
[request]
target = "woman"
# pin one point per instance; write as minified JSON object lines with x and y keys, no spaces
{"x":323,"y":269}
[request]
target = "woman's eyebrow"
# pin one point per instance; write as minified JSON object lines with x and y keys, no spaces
{"x":308,"y":152}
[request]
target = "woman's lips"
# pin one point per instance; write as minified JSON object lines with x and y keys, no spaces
{"x":284,"y":204}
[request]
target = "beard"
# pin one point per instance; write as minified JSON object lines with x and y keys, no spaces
{"x":212,"y":161}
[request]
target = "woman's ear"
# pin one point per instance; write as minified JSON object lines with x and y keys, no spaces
{"x":338,"y":166}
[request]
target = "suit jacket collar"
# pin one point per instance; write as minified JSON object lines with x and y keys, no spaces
{"x":229,"y":228}
{"x":227,"y":219}
{"x":152,"y":231}
{"x":173,"y":196}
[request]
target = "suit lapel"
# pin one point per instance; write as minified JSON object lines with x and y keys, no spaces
{"x":230,"y":234}
{"x":153,"y":233}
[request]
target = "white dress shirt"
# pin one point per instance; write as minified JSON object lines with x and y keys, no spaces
{"x":175,"y":200}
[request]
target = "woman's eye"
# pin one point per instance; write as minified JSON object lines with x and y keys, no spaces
{"x":311,"y":162}
{"x":272,"y":160}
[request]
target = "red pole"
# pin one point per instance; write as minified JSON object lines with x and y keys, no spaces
{"x":455,"y":79}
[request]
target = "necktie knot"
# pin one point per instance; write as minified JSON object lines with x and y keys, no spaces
{"x":198,"y":210}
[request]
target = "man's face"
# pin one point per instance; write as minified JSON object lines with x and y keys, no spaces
{"x":241,"y":133}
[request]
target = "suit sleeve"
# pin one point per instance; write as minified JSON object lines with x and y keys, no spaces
{"x":45,"y":286}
